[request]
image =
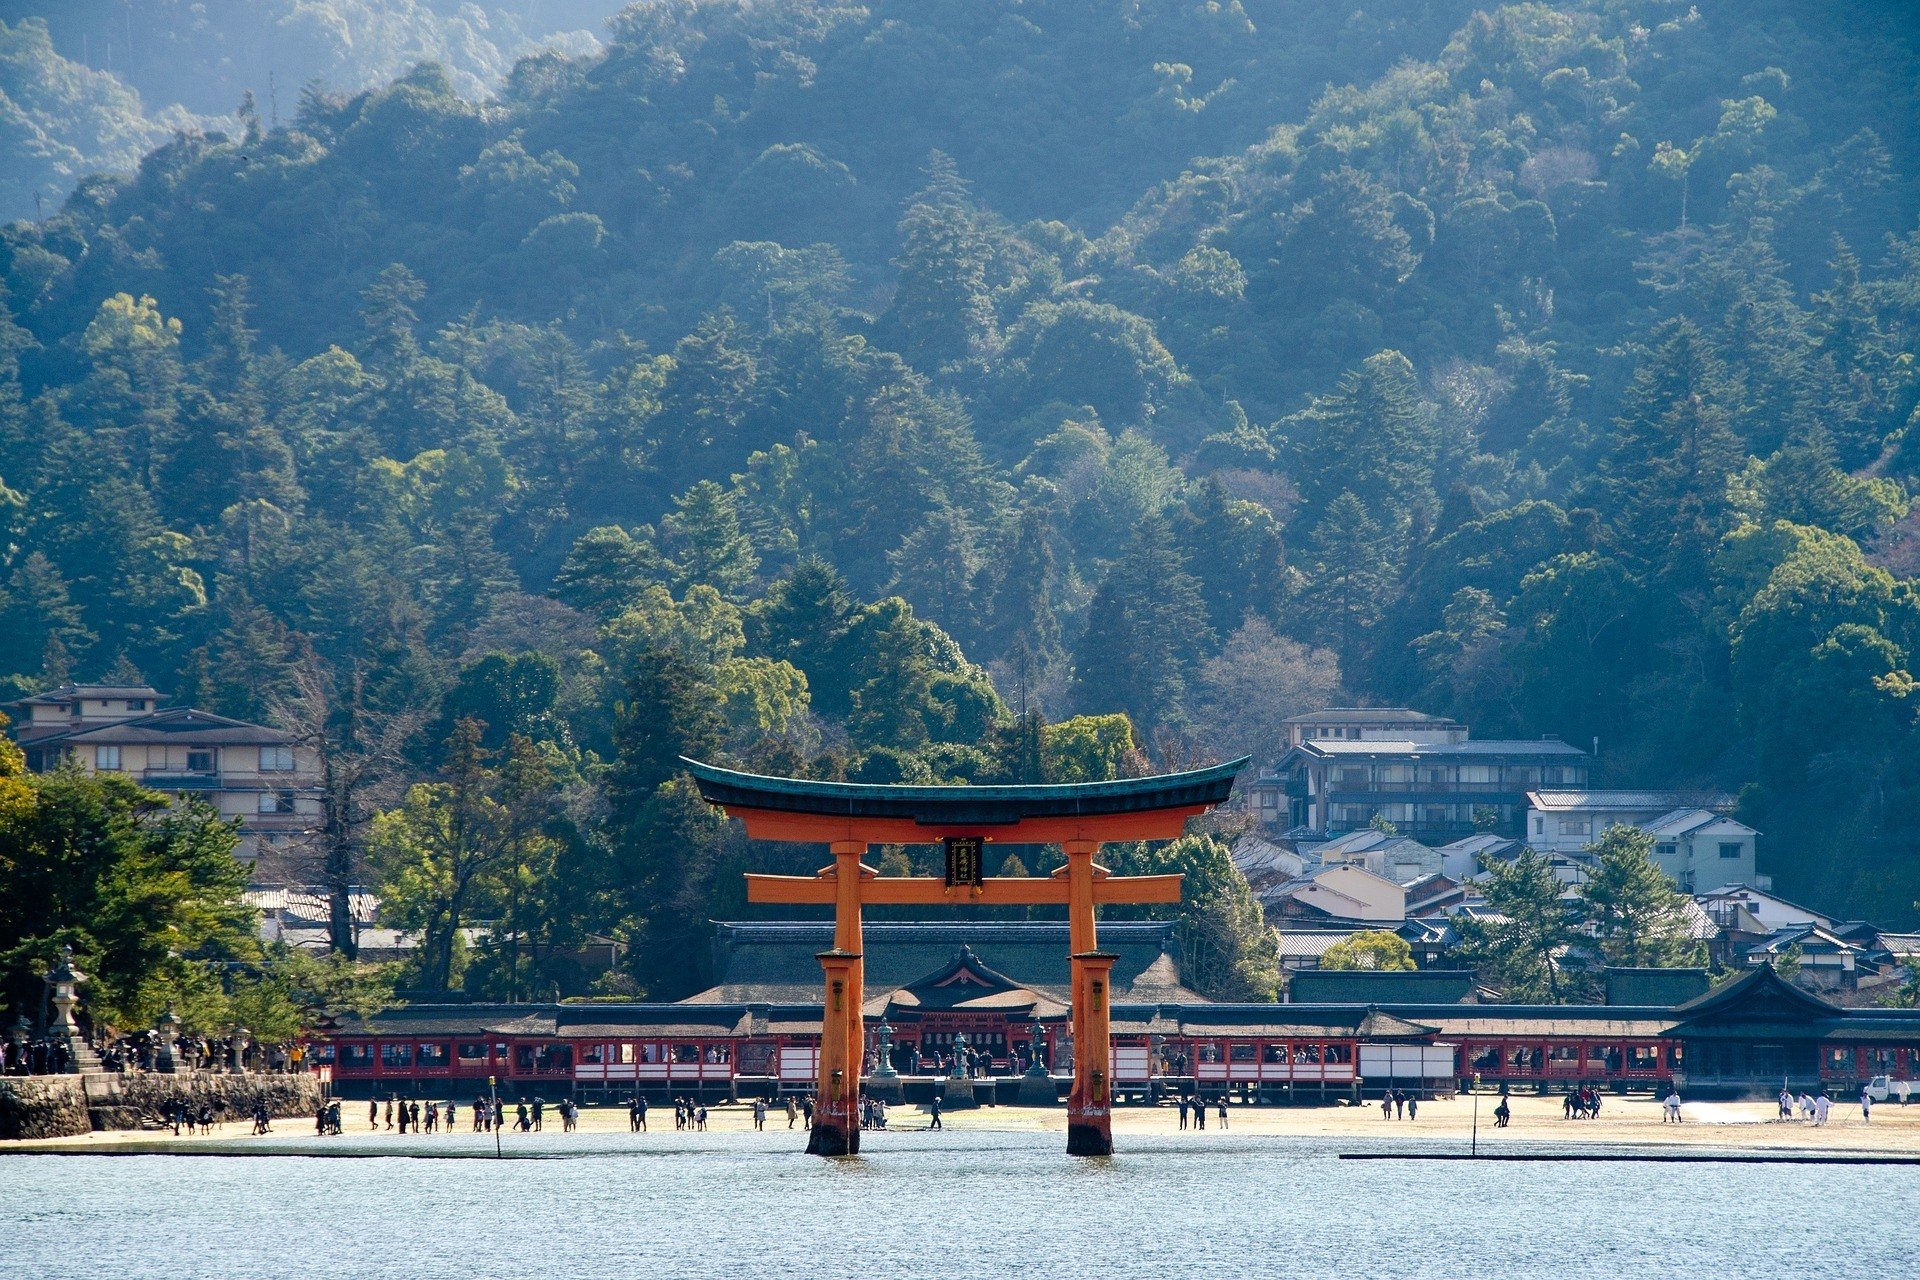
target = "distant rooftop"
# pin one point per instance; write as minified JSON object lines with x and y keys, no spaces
{"x":71,"y":692}
{"x":1656,"y":801}
{"x":1488,"y":747}
{"x":1370,"y":715}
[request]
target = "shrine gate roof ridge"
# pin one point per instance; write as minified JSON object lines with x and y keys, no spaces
{"x":948,"y":806}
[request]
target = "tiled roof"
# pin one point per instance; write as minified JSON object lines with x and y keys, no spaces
{"x":1369,"y":715}
{"x":1375,"y":986}
{"x":1402,"y":747}
{"x":1549,"y":801}
{"x":184,"y":725}
{"x":68,"y":693}
{"x":778,"y":960}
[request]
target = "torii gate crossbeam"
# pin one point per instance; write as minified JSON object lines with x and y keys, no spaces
{"x":850,"y":817}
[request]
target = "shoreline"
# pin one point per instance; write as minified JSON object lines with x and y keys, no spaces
{"x":1441,"y":1129}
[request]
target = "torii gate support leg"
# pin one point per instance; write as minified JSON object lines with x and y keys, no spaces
{"x":1090,"y":1101}
{"x":836,"y":1114}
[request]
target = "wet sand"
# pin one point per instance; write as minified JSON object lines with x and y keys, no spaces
{"x":1631,"y":1122}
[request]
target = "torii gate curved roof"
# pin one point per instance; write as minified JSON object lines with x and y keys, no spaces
{"x":1126,"y":809}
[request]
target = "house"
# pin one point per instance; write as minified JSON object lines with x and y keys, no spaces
{"x":262,"y":776}
{"x":1569,"y":821}
{"x":1826,"y":960}
{"x":1696,"y":840}
{"x":1744,"y":909}
{"x":1466,"y":858}
{"x":1346,"y":893}
{"x":1703,"y":850}
{"x":1264,"y":863}
{"x":1442,"y":788}
{"x":1383,"y":853}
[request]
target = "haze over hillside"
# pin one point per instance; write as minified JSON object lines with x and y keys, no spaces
{"x":832,"y":380}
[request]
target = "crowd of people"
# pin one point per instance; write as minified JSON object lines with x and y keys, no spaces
{"x":1581,"y":1104}
{"x":1195,"y":1108}
{"x":1398,"y":1104}
{"x":48,"y":1055}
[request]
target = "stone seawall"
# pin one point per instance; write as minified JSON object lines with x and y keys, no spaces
{"x":58,"y":1106}
{"x":233,"y":1097}
{"x":43,"y":1107}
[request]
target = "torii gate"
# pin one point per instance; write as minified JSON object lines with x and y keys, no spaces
{"x":848,"y":817}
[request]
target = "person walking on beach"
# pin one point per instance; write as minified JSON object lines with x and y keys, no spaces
{"x":793,"y":1113}
{"x":1672,"y":1115}
{"x":539,"y":1113}
{"x":1386,"y":1105}
{"x":1413,"y":1108}
{"x":1502,"y":1113}
{"x":1786,"y":1103}
{"x":1822,"y":1107}
{"x":1866,"y":1106}
{"x":1183,"y":1111}
{"x":1221,"y":1113}
{"x":1806,"y":1106}
{"x":935,"y":1124}
{"x":373,"y":1113}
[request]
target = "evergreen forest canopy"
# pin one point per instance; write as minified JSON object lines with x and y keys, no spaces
{"x":822,"y":387}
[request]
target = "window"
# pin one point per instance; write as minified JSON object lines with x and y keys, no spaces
{"x":433,"y":1055}
{"x":107,"y":758}
{"x":1840,"y":1059}
{"x":356,"y":1057}
{"x":1574,"y":827}
{"x":276,"y":759}
{"x":1643,"y":1057}
{"x":626,"y":1052}
{"x":1665,"y":850}
{"x":593,"y":1053}
{"x":396,"y":1056}
{"x":276,"y":802}
{"x":199,"y":762}
{"x":1274,"y":1053}
{"x":1539,"y":826}
{"x":1240,"y":1053}
{"x":473,"y":1050}
{"x":1731,"y":848}
{"x":136,"y":704}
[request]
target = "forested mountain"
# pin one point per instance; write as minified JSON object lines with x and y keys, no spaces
{"x":815,"y":385}
{"x":91,"y":85}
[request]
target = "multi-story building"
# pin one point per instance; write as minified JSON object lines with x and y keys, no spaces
{"x":1422,"y":774}
{"x":1695,"y":841}
{"x":259,"y":775}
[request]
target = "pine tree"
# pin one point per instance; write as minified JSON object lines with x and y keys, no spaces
{"x":1665,"y":482}
{"x":1351,"y":568}
{"x":1637,"y":916}
{"x":704,"y":540}
{"x":1146,"y":629}
{"x":942,"y":311}
{"x":804,"y":620}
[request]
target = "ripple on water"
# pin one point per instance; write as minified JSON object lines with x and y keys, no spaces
{"x":959,"y":1205}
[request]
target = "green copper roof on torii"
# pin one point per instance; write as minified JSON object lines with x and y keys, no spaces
{"x":947,"y":806}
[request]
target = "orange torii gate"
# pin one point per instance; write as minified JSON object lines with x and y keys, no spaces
{"x":849,"y":817}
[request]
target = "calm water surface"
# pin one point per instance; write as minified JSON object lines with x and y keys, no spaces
{"x":955,"y":1206}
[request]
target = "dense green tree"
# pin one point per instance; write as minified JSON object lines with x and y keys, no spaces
{"x":1637,"y":916}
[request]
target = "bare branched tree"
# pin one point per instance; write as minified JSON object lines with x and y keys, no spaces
{"x":363,"y":769}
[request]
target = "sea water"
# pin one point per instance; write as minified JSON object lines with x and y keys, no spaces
{"x":957,"y":1206}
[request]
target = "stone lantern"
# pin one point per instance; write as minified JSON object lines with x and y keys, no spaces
{"x":241,"y":1039}
{"x":63,"y":979}
{"x":885,"y":1082}
{"x":165,"y":1032}
{"x":956,"y":1092}
{"x":1036,"y":1086}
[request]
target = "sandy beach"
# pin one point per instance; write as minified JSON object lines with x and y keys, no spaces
{"x":1637,"y":1122}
